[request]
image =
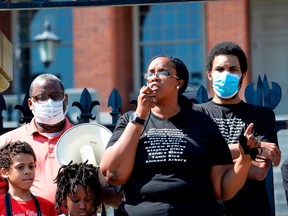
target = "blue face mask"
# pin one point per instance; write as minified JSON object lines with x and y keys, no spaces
{"x":225,"y":84}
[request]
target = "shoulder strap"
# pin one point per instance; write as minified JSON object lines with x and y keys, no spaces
{"x":8,"y":204}
{"x":38,"y":209}
{"x":7,"y":200}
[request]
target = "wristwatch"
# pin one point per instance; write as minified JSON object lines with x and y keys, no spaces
{"x":134,"y":118}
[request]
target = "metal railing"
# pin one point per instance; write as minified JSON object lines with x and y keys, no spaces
{"x":85,"y":106}
{"x":262,"y":95}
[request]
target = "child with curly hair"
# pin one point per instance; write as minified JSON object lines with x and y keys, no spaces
{"x":17,"y":167}
{"x":78,"y":190}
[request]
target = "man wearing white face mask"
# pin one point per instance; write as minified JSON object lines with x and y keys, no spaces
{"x":226,"y":67}
{"x":48,"y":102}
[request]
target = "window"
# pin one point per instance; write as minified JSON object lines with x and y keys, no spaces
{"x":61,"y":25}
{"x":175,"y":30}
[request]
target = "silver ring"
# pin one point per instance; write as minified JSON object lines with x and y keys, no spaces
{"x":153,"y":99}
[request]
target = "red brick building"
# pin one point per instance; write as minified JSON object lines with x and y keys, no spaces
{"x":105,"y":54}
{"x":115,"y":54}
{"x":111,"y":44}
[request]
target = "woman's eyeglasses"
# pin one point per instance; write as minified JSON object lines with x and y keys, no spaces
{"x":160,"y":74}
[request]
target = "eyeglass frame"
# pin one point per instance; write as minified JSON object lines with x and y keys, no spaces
{"x":49,"y":96}
{"x":159,"y":74}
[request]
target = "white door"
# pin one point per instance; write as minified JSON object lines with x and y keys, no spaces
{"x":269,"y":45}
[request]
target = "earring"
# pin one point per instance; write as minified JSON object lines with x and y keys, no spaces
{"x":177,"y":87}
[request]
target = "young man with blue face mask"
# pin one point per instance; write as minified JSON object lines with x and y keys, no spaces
{"x":48,"y":102}
{"x":226,"y":68}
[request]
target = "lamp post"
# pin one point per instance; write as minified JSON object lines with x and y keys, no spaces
{"x":47,"y":42}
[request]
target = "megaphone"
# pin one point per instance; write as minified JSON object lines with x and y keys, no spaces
{"x":86,"y":141}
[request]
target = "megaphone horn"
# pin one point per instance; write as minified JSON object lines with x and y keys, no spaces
{"x":86,"y":141}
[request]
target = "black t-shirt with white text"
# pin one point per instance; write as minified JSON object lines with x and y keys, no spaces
{"x":232,"y":120}
{"x":172,"y":165}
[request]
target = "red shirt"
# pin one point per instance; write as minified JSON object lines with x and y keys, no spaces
{"x":23,"y":208}
{"x":47,"y":165}
{"x":3,"y":186}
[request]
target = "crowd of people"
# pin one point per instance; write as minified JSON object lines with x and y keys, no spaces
{"x":168,"y":156}
{"x":48,"y":103}
{"x":45,"y":178}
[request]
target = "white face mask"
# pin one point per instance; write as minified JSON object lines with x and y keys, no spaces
{"x":49,"y":113}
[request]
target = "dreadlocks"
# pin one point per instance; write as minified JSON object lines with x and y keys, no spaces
{"x":73,"y":174}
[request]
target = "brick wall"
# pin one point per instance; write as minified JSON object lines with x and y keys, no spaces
{"x":107,"y":63}
{"x":228,"y":20}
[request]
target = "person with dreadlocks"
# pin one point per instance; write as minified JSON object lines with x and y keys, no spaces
{"x":170,"y":159}
{"x":78,"y":189}
{"x":17,"y":167}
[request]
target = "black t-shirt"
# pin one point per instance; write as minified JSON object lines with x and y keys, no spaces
{"x":172,"y":165}
{"x":232,"y":121}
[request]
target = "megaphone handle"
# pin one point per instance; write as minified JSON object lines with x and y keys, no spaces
{"x":87,"y":153}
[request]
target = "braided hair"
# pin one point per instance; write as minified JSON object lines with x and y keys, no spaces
{"x":73,"y":174}
{"x":10,"y":150}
